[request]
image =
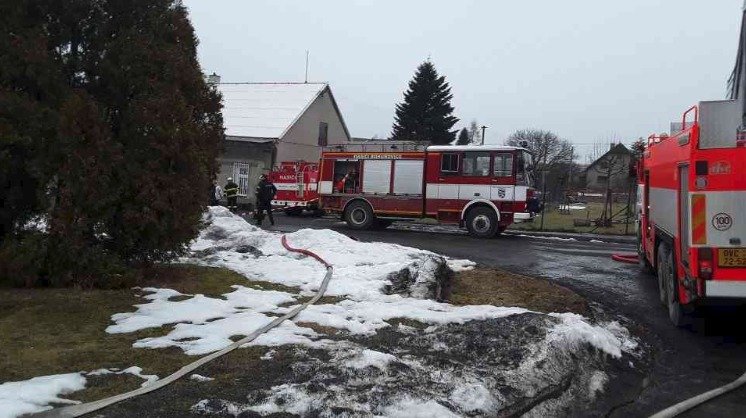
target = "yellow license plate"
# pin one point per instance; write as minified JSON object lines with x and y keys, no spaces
{"x":732,"y":257}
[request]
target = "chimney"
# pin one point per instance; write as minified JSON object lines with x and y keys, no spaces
{"x":213,"y":79}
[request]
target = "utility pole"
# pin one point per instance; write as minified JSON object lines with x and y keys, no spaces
{"x":543,"y":191}
{"x":483,"y":128}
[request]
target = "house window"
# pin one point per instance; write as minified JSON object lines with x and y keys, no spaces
{"x":602,"y":179}
{"x":241,"y":176}
{"x":477,"y":164}
{"x":503,"y":165}
{"x":449,"y":163}
{"x":323,"y":133}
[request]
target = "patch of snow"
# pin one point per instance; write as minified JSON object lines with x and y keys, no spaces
{"x":200,"y":378}
{"x":365,"y":317}
{"x":415,"y":408}
{"x":137,"y":371}
{"x":546,"y":237}
{"x":268,"y":355}
{"x":133,"y":370}
{"x":598,"y":241}
{"x":196,"y":310}
{"x":36,"y":395}
{"x":597,"y":382}
{"x":370,"y":358}
{"x":574,"y":330}
{"x":473,"y":398}
{"x":160,"y":294}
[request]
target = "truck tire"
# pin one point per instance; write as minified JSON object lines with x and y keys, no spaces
{"x":359,"y":215}
{"x":675,"y":310}
{"x":642,"y":257}
{"x":662,"y":271}
{"x":481,"y":222}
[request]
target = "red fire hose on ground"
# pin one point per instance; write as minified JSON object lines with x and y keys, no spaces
{"x":626,"y":258}
{"x":88,"y":407}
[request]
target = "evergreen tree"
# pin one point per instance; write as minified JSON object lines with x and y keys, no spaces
{"x":107,"y":127}
{"x":426,"y":113}
{"x":475,"y":133}
{"x":463,"y":137}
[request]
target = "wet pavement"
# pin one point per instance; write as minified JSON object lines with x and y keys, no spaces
{"x":684,"y":362}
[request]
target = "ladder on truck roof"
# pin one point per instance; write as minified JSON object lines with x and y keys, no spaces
{"x":378,"y":146}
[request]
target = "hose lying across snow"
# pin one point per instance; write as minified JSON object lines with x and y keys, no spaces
{"x":86,"y":408}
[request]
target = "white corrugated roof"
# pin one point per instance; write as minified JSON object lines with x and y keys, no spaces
{"x":265,"y":110}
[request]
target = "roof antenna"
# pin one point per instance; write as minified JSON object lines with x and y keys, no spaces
{"x":306,"y":80}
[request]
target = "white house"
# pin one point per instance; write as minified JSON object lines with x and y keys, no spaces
{"x":267,"y":123}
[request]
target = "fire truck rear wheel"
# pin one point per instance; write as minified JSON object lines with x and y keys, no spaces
{"x":359,"y":215}
{"x":675,"y":310}
{"x":662,"y":271}
{"x":481,"y":222}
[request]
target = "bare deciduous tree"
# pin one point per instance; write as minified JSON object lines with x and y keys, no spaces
{"x":548,"y":149}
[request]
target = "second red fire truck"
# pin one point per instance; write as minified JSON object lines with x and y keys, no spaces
{"x":484,"y":188}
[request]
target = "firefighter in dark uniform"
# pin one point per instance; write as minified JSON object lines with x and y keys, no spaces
{"x":265,"y":192}
{"x":231,"y":193}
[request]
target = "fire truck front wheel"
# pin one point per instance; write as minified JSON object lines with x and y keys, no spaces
{"x":481,"y":222}
{"x":359,"y":215}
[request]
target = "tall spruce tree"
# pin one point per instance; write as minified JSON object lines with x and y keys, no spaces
{"x":463,"y":137}
{"x":426,"y":113}
{"x":107,"y":127}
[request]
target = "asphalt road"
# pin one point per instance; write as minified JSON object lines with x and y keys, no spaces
{"x":684,"y":362}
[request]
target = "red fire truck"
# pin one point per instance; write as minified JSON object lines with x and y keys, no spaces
{"x":692,"y":202}
{"x":692,"y":208}
{"x":296,"y":183}
{"x":485,"y":188}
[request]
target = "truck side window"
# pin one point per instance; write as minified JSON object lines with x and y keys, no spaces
{"x":476,"y":164}
{"x":449,"y":163}
{"x":503,"y":165}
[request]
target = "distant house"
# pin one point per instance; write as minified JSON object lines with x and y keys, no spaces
{"x":267,"y":123}
{"x":609,"y":170}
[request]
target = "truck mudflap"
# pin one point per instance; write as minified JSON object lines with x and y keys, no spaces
{"x":725,"y":289}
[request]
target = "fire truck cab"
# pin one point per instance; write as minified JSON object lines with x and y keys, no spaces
{"x":484,"y":188}
{"x":692,"y":208}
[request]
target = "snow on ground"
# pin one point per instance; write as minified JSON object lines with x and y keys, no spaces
{"x":549,"y":238}
{"x":35,"y":395}
{"x":361,"y":274}
{"x":573,"y":207}
{"x":134,"y":371}
{"x":377,"y":283}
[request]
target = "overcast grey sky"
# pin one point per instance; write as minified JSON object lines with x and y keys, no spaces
{"x":589,"y":70}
